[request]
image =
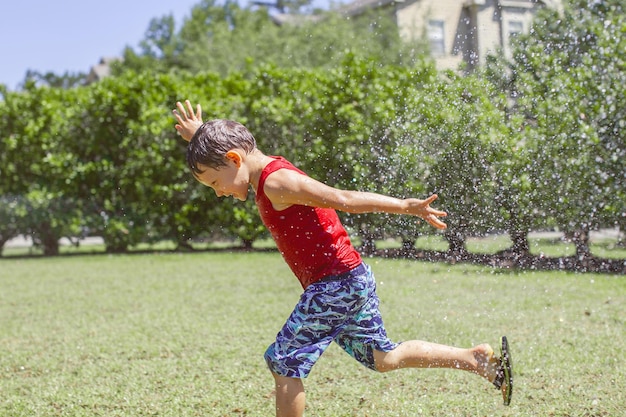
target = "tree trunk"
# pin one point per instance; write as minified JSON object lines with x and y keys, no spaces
{"x":621,"y":235}
{"x":408,"y":244}
{"x":580,"y":238}
{"x":48,"y":240}
{"x":456,"y":241}
{"x":184,"y":246}
{"x":2,"y":243}
{"x":521,"y":247}
{"x":368,"y":247}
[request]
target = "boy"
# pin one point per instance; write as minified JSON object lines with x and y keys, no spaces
{"x":339,"y":301}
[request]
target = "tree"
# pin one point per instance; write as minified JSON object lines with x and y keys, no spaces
{"x":568,"y":76}
{"x":226,"y":38}
{"x":159,"y":51}
{"x":517,"y":191}
{"x":36,"y":162}
{"x":12,"y":212}
{"x":65,"y":80}
{"x":457,"y":125}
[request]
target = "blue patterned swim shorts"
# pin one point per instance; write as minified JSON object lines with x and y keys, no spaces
{"x":343,"y":309}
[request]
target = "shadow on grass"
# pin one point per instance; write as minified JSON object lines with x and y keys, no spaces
{"x":503,"y":259}
{"x":511,"y":260}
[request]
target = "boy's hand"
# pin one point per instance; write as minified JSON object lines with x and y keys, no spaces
{"x":423,"y":209}
{"x":188,"y":121}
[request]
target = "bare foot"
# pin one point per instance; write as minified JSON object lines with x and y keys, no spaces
{"x":486,"y":362}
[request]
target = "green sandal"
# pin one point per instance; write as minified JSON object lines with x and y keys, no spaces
{"x":504,"y":373}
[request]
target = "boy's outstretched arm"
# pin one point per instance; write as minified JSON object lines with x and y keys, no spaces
{"x":188,"y":121}
{"x":286,"y":187}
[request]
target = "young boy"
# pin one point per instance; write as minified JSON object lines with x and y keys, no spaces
{"x":339,"y":302}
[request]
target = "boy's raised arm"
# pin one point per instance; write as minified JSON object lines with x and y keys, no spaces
{"x":188,"y":121}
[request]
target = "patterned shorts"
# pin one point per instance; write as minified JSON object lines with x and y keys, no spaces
{"x":343,"y":309}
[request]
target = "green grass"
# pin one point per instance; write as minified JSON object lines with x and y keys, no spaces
{"x":184,"y":335}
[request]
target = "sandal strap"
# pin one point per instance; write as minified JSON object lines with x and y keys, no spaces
{"x":499,"y":380}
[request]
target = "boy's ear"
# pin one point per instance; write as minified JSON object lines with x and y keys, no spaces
{"x":235,"y":157}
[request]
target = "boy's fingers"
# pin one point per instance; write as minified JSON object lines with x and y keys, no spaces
{"x":181,"y":109}
{"x":186,"y":112}
{"x":189,"y":108}
{"x":435,"y":222}
{"x":430,"y":199}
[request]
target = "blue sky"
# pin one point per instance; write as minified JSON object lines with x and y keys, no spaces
{"x":72,"y":35}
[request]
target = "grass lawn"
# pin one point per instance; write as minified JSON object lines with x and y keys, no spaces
{"x":184,"y":335}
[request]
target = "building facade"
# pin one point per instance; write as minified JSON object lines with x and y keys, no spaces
{"x":458,"y":31}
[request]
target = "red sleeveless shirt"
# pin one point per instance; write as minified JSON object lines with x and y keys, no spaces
{"x":312,"y":240}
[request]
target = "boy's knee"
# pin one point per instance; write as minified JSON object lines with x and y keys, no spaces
{"x":384,"y":362}
{"x":270,"y":358}
{"x":275,"y":362}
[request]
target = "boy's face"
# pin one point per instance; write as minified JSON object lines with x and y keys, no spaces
{"x":228,"y":181}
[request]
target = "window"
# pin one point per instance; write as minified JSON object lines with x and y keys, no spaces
{"x":515,"y":28}
{"x":435,"y":37}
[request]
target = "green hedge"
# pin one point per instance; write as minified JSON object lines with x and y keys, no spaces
{"x":104,"y":159}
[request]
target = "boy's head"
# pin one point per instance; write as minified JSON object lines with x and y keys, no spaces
{"x":215,"y":138}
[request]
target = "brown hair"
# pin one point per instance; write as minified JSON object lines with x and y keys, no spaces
{"x":213,"y":140}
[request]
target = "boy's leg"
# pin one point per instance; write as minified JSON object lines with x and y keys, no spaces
{"x":418,"y":354}
{"x":319,"y":316}
{"x":290,"y":397}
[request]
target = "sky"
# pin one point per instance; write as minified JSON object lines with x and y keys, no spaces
{"x":71,"y":35}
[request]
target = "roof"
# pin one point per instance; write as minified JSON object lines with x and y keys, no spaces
{"x":360,"y":6}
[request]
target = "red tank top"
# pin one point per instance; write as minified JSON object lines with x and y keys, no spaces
{"x":312,"y":240}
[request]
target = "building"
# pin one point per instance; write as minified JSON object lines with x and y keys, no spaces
{"x":458,"y":31}
{"x":101,"y":70}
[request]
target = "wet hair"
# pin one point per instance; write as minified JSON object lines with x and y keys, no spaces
{"x":213,"y":140}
